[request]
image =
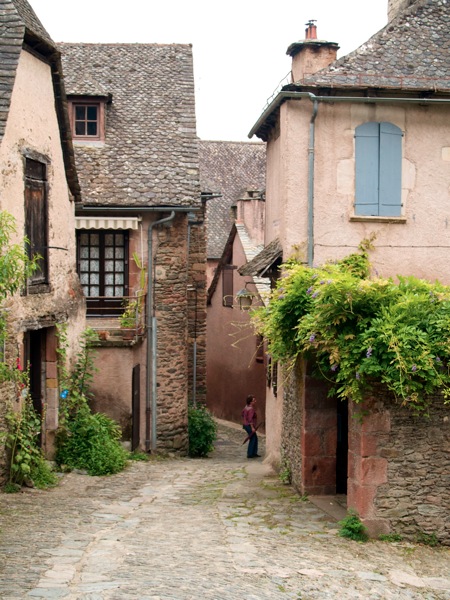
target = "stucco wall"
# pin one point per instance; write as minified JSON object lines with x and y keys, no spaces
{"x":415,"y":245}
{"x":32,"y":127}
{"x":232,"y":369}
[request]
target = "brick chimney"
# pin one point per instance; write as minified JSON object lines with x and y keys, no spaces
{"x":311,"y":55}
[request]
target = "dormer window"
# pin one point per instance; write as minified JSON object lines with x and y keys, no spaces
{"x":87,"y":119}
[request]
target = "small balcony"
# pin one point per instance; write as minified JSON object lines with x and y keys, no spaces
{"x":118,"y":321}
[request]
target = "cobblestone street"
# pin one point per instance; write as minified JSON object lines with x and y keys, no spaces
{"x":221,"y":528}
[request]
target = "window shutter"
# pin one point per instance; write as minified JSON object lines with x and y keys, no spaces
{"x":227,"y":285}
{"x":367,"y":169}
{"x":36,"y":218}
{"x":390,"y":170}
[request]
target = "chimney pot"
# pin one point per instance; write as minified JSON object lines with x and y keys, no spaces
{"x":311,"y":30}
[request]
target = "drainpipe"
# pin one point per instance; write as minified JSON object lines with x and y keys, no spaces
{"x":311,"y":184}
{"x":291,"y":95}
{"x":151,"y":397}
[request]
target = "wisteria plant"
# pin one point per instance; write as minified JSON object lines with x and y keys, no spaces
{"x":362,"y":330}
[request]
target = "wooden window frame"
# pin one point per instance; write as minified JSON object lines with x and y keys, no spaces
{"x":101,"y":305}
{"x":88,"y":102}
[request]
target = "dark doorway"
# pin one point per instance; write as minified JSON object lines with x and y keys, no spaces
{"x":35,"y":353}
{"x":136,"y":406}
{"x":342,"y":447}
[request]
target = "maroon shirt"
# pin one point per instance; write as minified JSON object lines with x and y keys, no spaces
{"x":249,"y":416}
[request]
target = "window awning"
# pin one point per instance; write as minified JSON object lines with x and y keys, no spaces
{"x":107,"y":222}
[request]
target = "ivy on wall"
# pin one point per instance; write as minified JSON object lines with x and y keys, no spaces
{"x":361,"y":329}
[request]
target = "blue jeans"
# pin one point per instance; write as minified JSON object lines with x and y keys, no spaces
{"x":252,"y":449}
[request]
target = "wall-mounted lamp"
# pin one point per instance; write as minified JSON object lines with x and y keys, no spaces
{"x":244,"y":297}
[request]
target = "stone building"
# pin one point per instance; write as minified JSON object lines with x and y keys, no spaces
{"x":39,"y":187}
{"x":140,"y":232}
{"x":355,"y":147}
{"x":232,"y":178}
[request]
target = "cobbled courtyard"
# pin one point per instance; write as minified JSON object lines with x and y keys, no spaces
{"x":221,"y":528}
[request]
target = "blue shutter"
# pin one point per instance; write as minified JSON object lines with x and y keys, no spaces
{"x":367,"y":169}
{"x":390,"y":170}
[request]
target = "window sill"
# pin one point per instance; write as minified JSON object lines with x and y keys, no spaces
{"x":92,"y":143}
{"x":38,"y":288}
{"x":373,"y":219}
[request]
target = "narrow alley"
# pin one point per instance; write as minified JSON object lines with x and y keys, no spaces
{"x":221,"y":528}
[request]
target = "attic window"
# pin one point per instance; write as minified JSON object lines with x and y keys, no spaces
{"x":87,"y":119}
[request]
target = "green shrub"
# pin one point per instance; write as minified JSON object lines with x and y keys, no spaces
{"x":390,"y":537}
{"x":42,"y":475}
{"x":428,"y":539}
{"x":352,"y":528}
{"x":91,"y":442}
{"x":202,"y":431}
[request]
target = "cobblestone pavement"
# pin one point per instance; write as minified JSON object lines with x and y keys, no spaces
{"x":221,"y":528}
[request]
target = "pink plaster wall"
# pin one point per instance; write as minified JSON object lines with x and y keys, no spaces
{"x":232,"y":369}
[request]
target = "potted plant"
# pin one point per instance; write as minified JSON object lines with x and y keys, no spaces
{"x":128,"y":319}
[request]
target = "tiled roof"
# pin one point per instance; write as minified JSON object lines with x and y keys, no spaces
{"x":412,"y":52}
{"x":264,"y":260}
{"x":229,"y":169}
{"x":33,"y":25}
{"x":150,"y":154}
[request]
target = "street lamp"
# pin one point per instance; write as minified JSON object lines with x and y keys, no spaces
{"x":244,"y":297}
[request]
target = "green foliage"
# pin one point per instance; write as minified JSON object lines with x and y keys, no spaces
{"x":390,"y":537}
{"x":91,"y":442}
{"x":42,"y":475}
{"x":11,"y":488}
{"x":361,"y":330}
{"x":74,"y":383}
{"x":138,"y":456}
{"x":128,"y":319}
{"x":22,"y":442}
{"x":84,"y":440}
{"x":202,"y":431}
{"x":352,"y":528}
{"x":15,"y":267}
{"x":428,"y":539}
{"x":285,"y":473}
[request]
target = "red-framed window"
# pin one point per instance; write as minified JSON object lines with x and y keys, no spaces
{"x":87,"y":119}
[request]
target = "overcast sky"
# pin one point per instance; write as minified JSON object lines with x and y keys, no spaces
{"x":239,"y":46}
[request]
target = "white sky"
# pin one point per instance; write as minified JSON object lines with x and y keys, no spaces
{"x":239,"y":46}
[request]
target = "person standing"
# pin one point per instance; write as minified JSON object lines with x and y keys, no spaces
{"x":249,"y":424}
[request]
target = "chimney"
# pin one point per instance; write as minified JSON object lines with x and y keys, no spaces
{"x":397,"y":6}
{"x":311,"y":55}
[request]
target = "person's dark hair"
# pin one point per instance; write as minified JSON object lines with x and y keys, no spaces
{"x":249,"y":399}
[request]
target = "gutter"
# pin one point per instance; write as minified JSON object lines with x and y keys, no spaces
{"x":283,"y":96}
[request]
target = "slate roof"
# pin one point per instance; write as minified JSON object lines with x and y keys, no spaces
{"x":150,"y":154}
{"x":229,"y":169}
{"x":411,"y":53}
{"x":17,"y":21}
{"x":20,"y":25}
{"x":264,"y":260}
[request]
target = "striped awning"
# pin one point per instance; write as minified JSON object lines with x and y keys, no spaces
{"x":107,"y":222}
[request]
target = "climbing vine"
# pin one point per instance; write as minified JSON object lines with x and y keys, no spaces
{"x":362,"y":330}
{"x":26,"y":462}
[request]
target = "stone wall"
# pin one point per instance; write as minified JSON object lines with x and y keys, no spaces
{"x":293,"y":392}
{"x":170,"y":260}
{"x":197,"y":310}
{"x":399,"y":472}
